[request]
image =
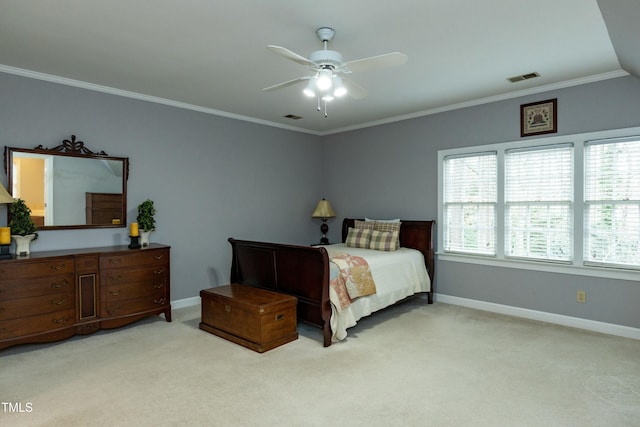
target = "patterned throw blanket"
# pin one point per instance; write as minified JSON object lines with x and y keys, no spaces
{"x":353,"y":280}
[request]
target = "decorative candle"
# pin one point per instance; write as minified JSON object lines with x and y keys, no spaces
{"x":133,"y":229}
{"x":5,"y":236}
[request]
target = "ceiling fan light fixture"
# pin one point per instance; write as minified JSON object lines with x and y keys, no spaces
{"x":324,"y":79}
{"x":338,"y":87}
{"x":329,"y":67}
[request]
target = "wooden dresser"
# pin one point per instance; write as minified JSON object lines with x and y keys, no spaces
{"x":53,"y":295}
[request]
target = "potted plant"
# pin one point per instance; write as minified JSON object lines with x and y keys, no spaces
{"x":146,"y":220}
{"x":23,"y":229}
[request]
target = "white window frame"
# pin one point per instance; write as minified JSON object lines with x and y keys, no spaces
{"x":577,"y":266}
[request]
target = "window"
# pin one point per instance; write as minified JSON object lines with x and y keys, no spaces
{"x":551,"y":203}
{"x":470,"y":196}
{"x":612,"y":202}
{"x":539,"y":203}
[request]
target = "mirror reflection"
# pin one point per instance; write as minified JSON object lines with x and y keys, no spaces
{"x":69,"y":189}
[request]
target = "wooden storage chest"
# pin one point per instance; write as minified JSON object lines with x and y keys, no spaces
{"x":252,"y":317}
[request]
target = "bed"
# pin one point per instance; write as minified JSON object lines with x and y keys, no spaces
{"x":306,"y":272}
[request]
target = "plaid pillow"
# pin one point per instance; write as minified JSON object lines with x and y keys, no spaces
{"x":358,"y":238}
{"x":383,"y":240}
{"x":389,"y":227}
{"x":360,"y":225}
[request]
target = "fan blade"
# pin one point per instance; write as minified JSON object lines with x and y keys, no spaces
{"x":285,"y":84}
{"x":282,"y":51}
{"x":381,"y":61}
{"x":354,"y":90}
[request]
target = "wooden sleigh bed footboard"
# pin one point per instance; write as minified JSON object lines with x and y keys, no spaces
{"x":303,"y":271}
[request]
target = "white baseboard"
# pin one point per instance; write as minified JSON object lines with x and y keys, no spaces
{"x":559,"y":319}
{"x":185,"y":302}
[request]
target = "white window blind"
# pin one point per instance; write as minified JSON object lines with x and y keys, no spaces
{"x":470,"y":197}
{"x":539,"y":203}
{"x":612,"y":202}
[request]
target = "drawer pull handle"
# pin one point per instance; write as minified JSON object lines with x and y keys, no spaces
{"x":227,"y":308}
{"x":158,"y":272}
{"x":159,"y":301}
{"x":59,"y":302}
{"x":57,"y":267}
{"x":114,"y":293}
{"x":59,"y":321}
{"x":279,"y":317}
{"x":158,"y":286}
{"x":114,"y":309}
{"x":159,"y":257}
{"x":114,"y":260}
{"x":58,"y":285}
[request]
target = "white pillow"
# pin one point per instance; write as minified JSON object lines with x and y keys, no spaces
{"x":382,"y":220}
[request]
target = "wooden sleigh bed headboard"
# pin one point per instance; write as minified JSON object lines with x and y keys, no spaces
{"x":303,"y":271}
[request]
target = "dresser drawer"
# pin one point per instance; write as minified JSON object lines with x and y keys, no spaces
{"x":134,"y":290}
{"x":87,"y":264}
{"x":134,"y":305}
{"x":32,"y":269}
{"x":27,"y":288}
{"x":145,"y":257}
{"x":156,"y":275}
{"x":42,"y":323}
{"x":13,"y":309}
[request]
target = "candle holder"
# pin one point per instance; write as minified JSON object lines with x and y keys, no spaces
{"x":135,"y":242}
{"x":4,"y":252}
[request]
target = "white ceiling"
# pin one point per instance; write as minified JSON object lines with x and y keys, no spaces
{"x":212,"y":56}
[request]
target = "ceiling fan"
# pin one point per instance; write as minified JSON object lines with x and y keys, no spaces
{"x":328,"y":80}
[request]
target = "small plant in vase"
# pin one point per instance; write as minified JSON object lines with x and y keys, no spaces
{"x":23,"y":229}
{"x":146,"y":220}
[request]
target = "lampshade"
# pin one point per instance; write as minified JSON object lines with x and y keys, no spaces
{"x":324,"y":79}
{"x":338,"y":87}
{"x":5,"y":197}
{"x":310,"y":89}
{"x":323,"y":210}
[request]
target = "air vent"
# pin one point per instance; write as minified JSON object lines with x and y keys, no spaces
{"x":293,"y":117}
{"x":523,"y":77}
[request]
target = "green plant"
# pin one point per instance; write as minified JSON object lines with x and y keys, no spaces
{"x":20,"y":221}
{"x":145,"y":218}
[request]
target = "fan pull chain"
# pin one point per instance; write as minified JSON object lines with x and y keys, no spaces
{"x":319,"y":107}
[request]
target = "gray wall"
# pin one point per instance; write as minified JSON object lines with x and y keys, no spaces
{"x":213,"y":177}
{"x":210,"y":177}
{"x":391,"y":171}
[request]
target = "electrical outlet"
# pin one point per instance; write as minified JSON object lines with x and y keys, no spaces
{"x":581,"y":297}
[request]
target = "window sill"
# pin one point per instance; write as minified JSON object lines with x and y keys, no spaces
{"x":608,"y":273}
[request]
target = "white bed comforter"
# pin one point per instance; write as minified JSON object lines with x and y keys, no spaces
{"x":397,"y":274}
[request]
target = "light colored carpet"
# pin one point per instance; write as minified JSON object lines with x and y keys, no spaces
{"x":411,"y":365}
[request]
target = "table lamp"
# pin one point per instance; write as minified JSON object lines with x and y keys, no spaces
{"x":324,"y":211}
{"x":5,"y":232}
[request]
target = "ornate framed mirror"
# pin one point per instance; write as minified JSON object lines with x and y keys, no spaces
{"x":69,"y":186}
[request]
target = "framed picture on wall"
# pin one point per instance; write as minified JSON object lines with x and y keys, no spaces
{"x":539,"y":117}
